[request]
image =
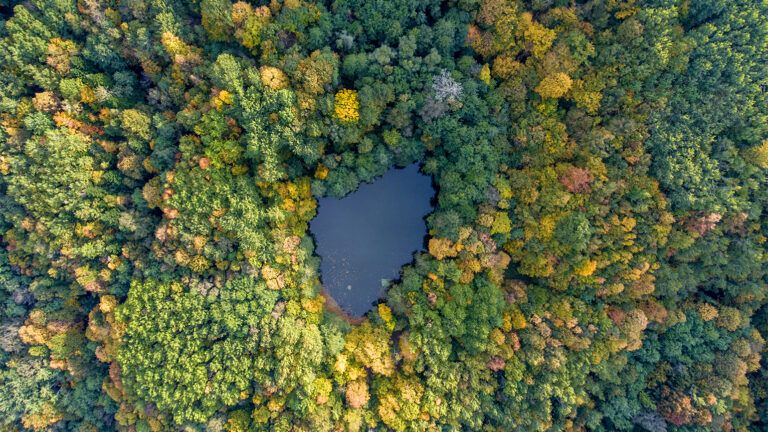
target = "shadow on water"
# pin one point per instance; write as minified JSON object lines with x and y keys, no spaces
{"x":365,"y":238}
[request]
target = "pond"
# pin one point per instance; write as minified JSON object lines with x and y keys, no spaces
{"x":365,"y":238}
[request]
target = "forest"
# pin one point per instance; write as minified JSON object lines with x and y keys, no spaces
{"x":596,"y":260}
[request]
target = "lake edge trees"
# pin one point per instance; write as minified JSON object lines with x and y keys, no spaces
{"x":596,"y":257}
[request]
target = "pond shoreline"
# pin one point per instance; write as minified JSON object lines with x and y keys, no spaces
{"x":332,"y":307}
{"x":364,"y":239}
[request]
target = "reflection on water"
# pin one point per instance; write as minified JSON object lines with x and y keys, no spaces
{"x":366,"y":237}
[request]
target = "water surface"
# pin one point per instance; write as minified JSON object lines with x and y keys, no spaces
{"x":365,"y":238}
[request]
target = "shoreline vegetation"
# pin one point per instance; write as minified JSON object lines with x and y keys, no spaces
{"x":332,"y":307}
{"x":596,"y":254}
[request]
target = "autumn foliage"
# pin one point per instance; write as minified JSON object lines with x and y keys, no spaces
{"x":595,"y":259}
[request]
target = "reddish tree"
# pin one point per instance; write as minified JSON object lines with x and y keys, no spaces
{"x":704,"y":223}
{"x":576,"y":180}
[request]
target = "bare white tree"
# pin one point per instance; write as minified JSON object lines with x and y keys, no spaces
{"x":446,"y":88}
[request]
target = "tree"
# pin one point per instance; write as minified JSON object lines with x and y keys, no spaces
{"x":346,"y":106}
{"x":554,"y":86}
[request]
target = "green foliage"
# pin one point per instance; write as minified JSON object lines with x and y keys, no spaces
{"x":193,"y":353}
{"x":597,"y":250}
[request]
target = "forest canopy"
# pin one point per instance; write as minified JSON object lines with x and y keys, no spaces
{"x":596,"y":259}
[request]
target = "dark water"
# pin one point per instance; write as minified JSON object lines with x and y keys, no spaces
{"x":365,"y":238}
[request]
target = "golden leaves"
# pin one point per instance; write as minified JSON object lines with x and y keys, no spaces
{"x":554,"y":86}
{"x":346,"y":106}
